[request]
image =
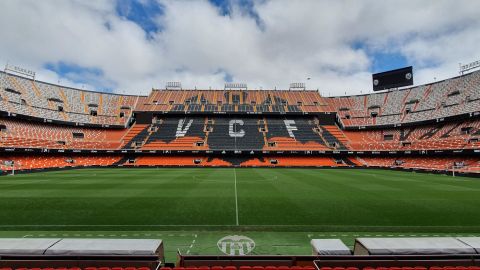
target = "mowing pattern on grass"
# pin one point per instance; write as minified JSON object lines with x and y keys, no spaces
{"x":264,"y":199}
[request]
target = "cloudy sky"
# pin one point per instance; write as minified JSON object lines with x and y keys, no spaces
{"x":130,"y":46}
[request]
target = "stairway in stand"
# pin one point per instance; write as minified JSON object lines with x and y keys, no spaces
{"x":338,"y":133}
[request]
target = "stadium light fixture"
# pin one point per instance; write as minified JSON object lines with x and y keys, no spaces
{"x":469,"y":66}
{"x":235,"y":86}
{"x":297,"y":86}
{"x":19,"y":71}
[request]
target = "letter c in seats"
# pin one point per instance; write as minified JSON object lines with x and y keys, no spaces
{"x":234,"y":131}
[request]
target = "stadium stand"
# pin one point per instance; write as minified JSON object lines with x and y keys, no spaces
{"x":39,"y":135}
{"x":422,"y":103}
{"x":455,"y":135}
{"x":219,"y":127}
{"x":425,"y":163}
{"x":31,"y":162}
{"x":31,"y":98}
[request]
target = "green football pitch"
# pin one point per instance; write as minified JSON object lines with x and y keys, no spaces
{"x":280,"y":209}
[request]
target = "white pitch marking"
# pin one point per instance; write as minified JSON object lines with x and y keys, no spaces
{"x":236,"y":196}
{"x":191,"y":245}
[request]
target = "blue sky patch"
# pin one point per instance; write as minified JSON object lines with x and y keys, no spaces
{"x":143,"y":13}
{"x":247,"y":8}
{"x":82,"y":75}
{"x":382,"y":60}
{"x":223,"y":6}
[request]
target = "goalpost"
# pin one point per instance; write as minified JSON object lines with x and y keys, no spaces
{"x":454,"y":169}
{"x":11,"y":164}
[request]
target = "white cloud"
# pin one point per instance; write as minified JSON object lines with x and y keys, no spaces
{"x":198,"y":46}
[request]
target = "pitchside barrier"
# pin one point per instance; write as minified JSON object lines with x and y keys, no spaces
{"x":141,"y":254}
{"x":386,"y":262}
{"x":148,"y":254}
{"x":329,"y":247}
{"x":417,"y":246}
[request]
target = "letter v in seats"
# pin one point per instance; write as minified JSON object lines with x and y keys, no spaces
{"x":182,"y":131}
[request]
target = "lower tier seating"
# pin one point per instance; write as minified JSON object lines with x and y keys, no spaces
{"x":463,"y":164}
{"x":77,"y":268}
{"x":43,"y":162}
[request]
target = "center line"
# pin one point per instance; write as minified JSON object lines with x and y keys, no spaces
{"x":236,"y":196}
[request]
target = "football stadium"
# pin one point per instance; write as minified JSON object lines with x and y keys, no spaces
{"x":238,"y":177}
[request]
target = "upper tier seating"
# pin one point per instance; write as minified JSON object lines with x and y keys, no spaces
{"x":32,"y":98}
{"x":438,"y":100}
{"x":450,"y":97}
{"x":230,"y":101}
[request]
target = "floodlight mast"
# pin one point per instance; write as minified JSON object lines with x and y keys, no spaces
{"x":19,"y":71}
{"x":468,"y":67}
{"x":173,"y":86}
{"x":235,"y":86}
{"x":297,"y":86}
